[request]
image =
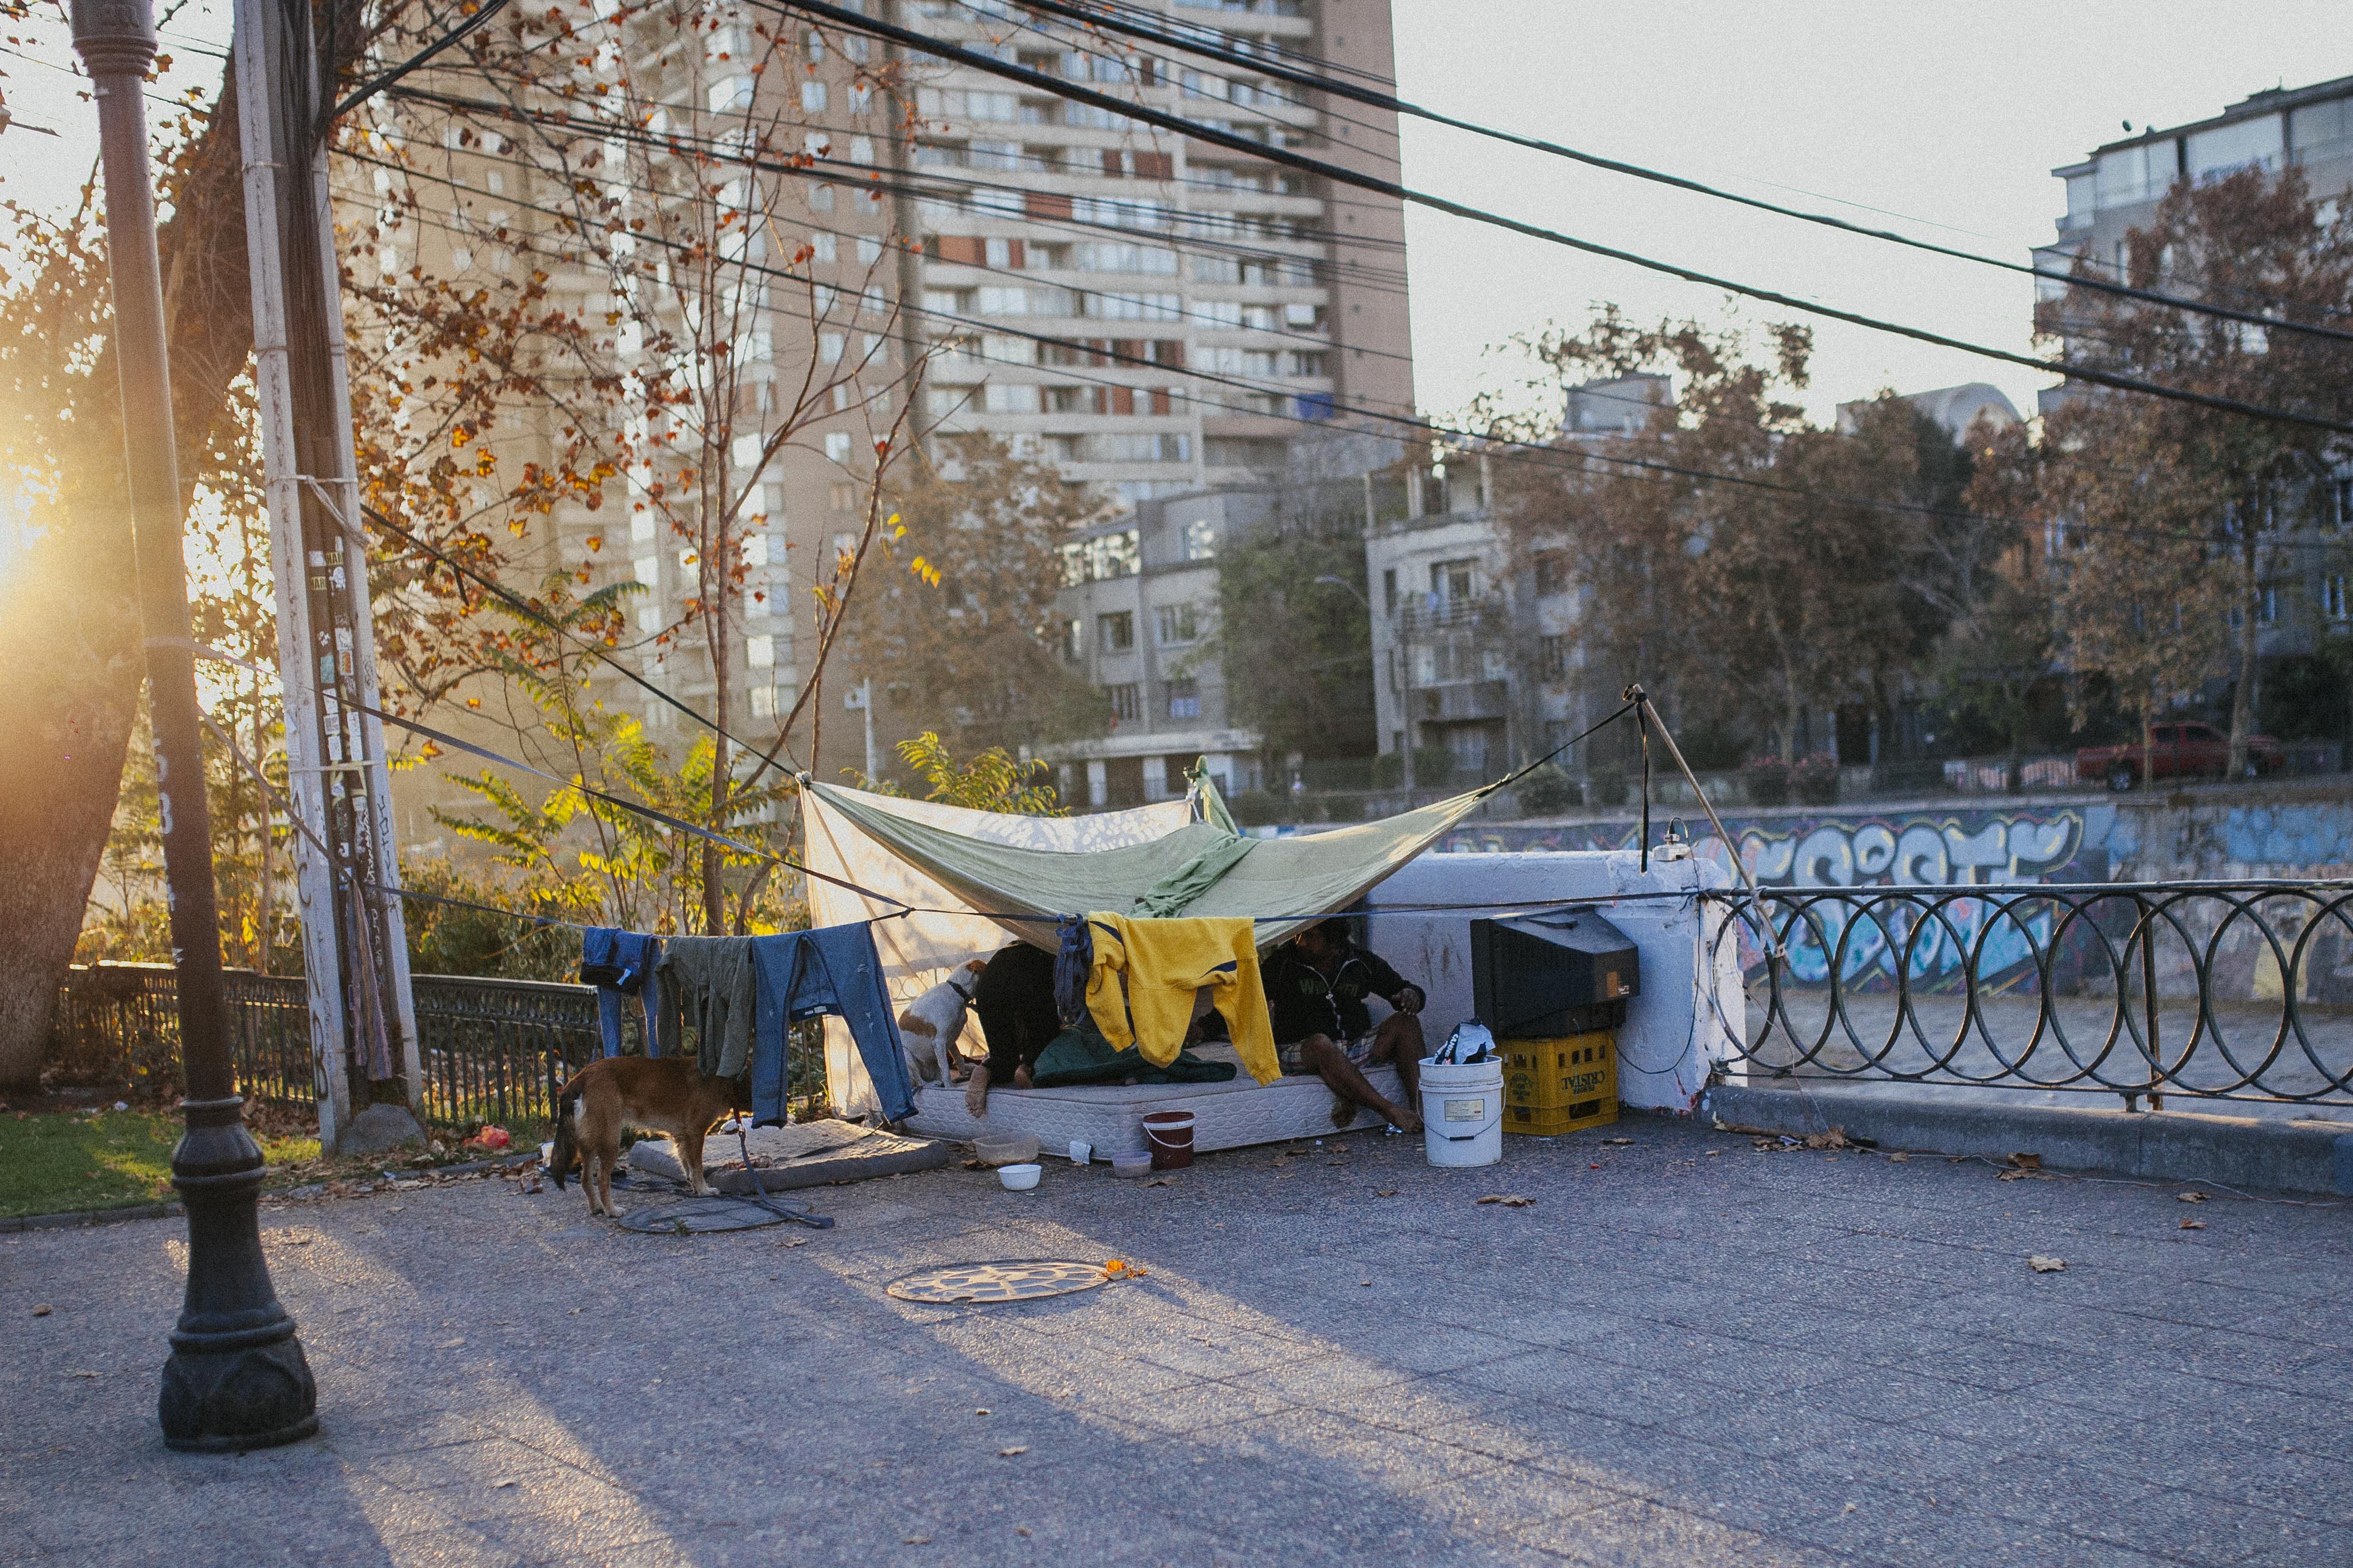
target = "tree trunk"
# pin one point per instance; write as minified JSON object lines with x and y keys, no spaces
{"x":69,"y":635}
{"x":2243,"y":702}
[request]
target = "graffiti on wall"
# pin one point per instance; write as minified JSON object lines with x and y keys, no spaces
{"x":1905,"y":849}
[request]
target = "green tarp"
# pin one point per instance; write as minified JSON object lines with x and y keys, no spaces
{"x":1200,"y":869}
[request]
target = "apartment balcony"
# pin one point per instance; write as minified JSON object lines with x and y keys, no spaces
{"x":1419,"y":615}
{"x":1459,"y":701}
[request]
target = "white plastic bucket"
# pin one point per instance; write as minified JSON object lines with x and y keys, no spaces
{"x":1462,"y":1112}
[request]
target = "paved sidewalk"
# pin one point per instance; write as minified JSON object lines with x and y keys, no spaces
{"x":1672,"y":1358}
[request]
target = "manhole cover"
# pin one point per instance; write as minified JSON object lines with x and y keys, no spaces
{"x":1017,"y":1281}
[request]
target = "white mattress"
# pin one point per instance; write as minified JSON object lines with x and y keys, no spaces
{"x":1229,"y":1115}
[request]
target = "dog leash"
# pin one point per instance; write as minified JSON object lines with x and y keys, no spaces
{"x":759,"y":1194}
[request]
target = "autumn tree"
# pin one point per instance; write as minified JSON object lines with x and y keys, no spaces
{"x":956,"y":635}
{"x":2188,"y":515}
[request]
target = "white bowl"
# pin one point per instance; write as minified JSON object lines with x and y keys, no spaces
{"x":1018,"y":1178}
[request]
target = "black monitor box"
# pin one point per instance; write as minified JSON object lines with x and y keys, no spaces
{"x":1545,"y":976}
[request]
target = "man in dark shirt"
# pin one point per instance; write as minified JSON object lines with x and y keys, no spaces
{"x":1015,"y":1000}
{"x":1315,"y":989}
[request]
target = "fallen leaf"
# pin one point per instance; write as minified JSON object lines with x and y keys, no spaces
{"x":1616,"y":1140}
{"x":1020,"y":1530}
{"x":1366,"y":1283}
{"x":1712,"y":1153}
{"x":1012,"y":1453}
{"x":85,"y":1374}
{"x":1898,"y":1159}
{"x":43,"y":1310}
{"x":1833,"y":1139}
{"x":502,"y":1486}
{"x":918,"y":1540}
{"x":2027,"y":1162}
{"x":2041,"y":1265}
{"x":1159,"y":1182}
{"x":2193,"y":1225}
{"x":792,"y":1241}
{"x":1385,"y":1193}
{"x":1509,"y":1200}
{"x":2191,"y":1197}
{"x":982,"y":1410}
{"x":449,"y":1344}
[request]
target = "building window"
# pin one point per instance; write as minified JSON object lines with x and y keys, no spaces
{"x":2267,"y":607}
{"x":2344,"y":517}
{"x":841,"y":496}
{"x":1185,"y":699}
{"x":1074,"y":639}
{"x":1451,"y":580}
{"x":837,"y":446}
{"x":1126,"y":707}
{"x":2332,"y":596}
{"x":1388,"y":590}
{"x":813,"y":97}
{"x":1116,"y":633}
{"x":1552,"y":657}
{"x":1552,"y":572}
{"x":1200,"y":540}
{"x":1176,"y":626}
{"x":760,"y":652}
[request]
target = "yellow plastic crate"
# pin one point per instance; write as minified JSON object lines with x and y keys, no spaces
{"x":1563,"y":1085}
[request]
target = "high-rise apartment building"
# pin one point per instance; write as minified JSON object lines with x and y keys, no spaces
{"x":1152,"y":314}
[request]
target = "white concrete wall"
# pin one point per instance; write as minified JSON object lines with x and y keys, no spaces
{"x":1671,"y":1033}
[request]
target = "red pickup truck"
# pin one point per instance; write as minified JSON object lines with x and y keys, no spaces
{"x":2180,"y":751}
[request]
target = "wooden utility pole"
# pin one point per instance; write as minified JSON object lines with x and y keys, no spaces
{"x":363,"y":1028}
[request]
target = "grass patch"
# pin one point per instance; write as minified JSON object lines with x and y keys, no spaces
{"x":58,"y":1161}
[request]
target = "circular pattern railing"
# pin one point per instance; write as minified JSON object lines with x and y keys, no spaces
{"x":2210,"y":989}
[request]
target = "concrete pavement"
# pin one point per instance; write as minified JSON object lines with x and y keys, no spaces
{"x":1673,"y":1357}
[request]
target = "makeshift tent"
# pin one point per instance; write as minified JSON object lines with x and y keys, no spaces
{"x":1181,"y":857}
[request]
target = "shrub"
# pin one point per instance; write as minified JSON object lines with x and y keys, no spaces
{"x":1766,"y":780}
{"x":1606,"y":786}
{"x":1815,"y":779}
{"x":1549,"y":790}
{"x":1255,"y":808}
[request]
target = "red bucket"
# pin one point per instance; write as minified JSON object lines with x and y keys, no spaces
{"x":1169,"y":1135}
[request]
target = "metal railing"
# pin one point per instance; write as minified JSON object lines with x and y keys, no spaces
{"x":2214,"y":990}
{"x":492,"y":1050}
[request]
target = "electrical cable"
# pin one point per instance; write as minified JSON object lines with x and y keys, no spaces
{"x":987,"y":65}
{"x":376,"y":84}
{"x":1105,"y":19}
{"x":1573,"y":460}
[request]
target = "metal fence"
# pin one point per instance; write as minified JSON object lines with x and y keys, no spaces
{"x":2225,"y":990}
{"x":493,"y":1050}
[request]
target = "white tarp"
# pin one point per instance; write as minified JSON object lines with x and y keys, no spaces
{"x":918,"y":950}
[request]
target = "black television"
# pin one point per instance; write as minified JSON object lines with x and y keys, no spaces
{"x":1543,"y":976}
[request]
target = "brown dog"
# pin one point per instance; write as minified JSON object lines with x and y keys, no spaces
{"x":657,"y":1094}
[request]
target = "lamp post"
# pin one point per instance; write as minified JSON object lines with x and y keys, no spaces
{"x":236,"y":1377}
{"x":1405,"y":682}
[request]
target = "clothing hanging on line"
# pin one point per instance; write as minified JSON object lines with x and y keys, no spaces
{"x":707,"y":981}
{"x":1165,"y":962}
{"x":621,"y":965}
{"x":835,"y":970}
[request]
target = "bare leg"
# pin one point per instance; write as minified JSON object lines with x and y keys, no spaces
{"x":1333,"y":1067}
{"x":1022,"y":1078}
{"x":975,"y":1093}
{"x":1398,"y":1043}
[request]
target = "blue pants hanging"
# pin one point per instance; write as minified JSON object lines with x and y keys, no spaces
{"x":835,"y":970}
{"x":622,"y":963}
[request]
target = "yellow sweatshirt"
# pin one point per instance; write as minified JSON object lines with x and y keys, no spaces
{"x":1165,"y":961}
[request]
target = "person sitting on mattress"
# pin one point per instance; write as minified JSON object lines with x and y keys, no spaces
{"x":1315,"y":988}
{"x":1015,"y":999}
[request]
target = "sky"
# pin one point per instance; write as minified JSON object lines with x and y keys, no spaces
{"x":1950,"y":115}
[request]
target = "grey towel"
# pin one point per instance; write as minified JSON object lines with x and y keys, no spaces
{"x":717,"y":988}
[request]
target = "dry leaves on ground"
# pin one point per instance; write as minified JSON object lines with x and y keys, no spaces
{"x":1385,"y":1192}
{"x":43,"y":1310}
{"x":1014,"y":1453}
{"x":1898,"y":1158}
{"x":2043,"y":1265}
{"x":2191,"y":1197}
{"x":1509,"y":1200}
{"x":1616,"y":1140}
{"x":2193,"y":1225}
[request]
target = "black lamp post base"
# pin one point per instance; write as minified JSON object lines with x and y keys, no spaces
{"x":237,"y":1377}
{"x":235,"y":1400}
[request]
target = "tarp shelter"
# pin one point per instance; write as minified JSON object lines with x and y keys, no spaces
{"x":962,"y":869}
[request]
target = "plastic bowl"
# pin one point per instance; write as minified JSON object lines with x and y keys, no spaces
{"x":1018,"y":1178}
{"x":1005,"y":1148}
{"x":1127,"y":1167}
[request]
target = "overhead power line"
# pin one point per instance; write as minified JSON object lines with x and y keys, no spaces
{"x":1119,"y":20}
{"x":374,"y":84}
{"x":1569,"y":458}
{"x":988,"y":64}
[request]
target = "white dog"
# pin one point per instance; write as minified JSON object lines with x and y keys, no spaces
{"x":933,"y":1022}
